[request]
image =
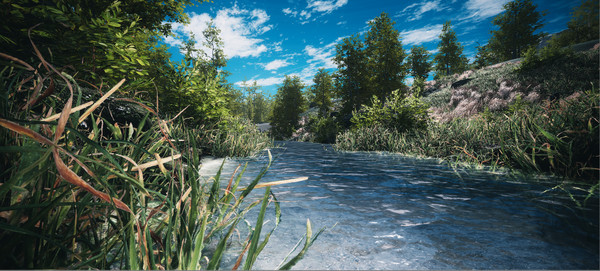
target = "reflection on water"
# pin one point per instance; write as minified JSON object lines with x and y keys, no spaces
{"x":394,"y":212}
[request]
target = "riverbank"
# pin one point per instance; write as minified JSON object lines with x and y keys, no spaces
{"x":82,"y":191}
{"x":540,"y":120}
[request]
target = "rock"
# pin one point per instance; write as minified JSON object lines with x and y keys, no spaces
{"x":459,"y":83}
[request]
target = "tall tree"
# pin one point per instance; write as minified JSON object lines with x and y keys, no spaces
{"x":420,"y":66}
{"x":385,"y":56}
{"x":484,"y":56}
{"x":322,"y":92}
{"x":583,"y":26}
{"x":517,"y":27}
{"x":351,"y":76}
{"x":450,"y":58}
{"x":289,"y":103}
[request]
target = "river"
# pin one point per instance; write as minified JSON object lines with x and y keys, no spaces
{"x":386,"y":211}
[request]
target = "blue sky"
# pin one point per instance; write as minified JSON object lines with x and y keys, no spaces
{"x":266,"y":40}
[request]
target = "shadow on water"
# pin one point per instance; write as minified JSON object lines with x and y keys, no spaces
{"x":396,"y":212}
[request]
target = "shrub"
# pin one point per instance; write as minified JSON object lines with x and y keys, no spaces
{"x":324,"y":129}
{"x":396,"y":113}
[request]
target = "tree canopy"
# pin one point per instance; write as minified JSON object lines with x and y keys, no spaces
{"x":420,"y":66}
{"x":517,"y":27}
{"x":450,"y":58}
{"x":322,"y":92}
{"x":385,"y":56}
{"x":289,"y":104}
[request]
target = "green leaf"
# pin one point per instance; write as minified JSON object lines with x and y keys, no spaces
{"x":114,"y":24}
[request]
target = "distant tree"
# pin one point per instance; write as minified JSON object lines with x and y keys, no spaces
{"x":583,"y":25}
{"x":289,"y":103}
{"x":517,"y":26}
{"x":351,"y":76}
{"x":383,"y":48}
{"x":484,"y":56}
{"x":322,"y":92}
{"x":214,"y":55}
{"x":261,"y":104}
{"x":420,"y":66}
{"x":450,"y":58}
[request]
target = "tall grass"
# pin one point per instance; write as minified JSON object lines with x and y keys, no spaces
{"x":558,"y":137}
{"x":110,"y":197}
{"x":236,"y":137}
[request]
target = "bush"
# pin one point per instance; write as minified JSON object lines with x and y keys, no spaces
{"x":324,"y":129}
{"x":397,"y":113}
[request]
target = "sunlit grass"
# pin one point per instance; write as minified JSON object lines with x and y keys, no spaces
{"x":557,"y":137}
{"x":114,"y":197}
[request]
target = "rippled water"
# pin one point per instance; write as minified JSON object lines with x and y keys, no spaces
{"x":395,"y":212}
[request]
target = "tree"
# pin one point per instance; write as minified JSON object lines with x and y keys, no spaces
{"x":385,"y":56}
{"x":104,"y":39}
{"x":583,"y":25}
{"x":484,"y":56}
{"x":351,"y":76}
{"x":450,"y":58}
{"x":420,"y":66}
{"x":517,"y":26}
{"x":289,"y":104}
{"x":196,"y":84}
{"x":322,"y":92}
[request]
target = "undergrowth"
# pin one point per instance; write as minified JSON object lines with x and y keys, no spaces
{"x":105,"y":196}
{"x":557,"y":137}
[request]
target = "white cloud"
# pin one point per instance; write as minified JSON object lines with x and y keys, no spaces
{"x":415,"y":11}
{"x":239,"y":30}
{"x":318,"y":7}
{"x":483,"y":9}
{"x":421,"y":35}
{"x":288,"y":11}
{"x":262,"y":82}
{"x":326,"y":6}
{"x":276,"y":64}
{"x":173,"y":41}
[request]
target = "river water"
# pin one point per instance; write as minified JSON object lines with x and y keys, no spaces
{"x":386,"y":211}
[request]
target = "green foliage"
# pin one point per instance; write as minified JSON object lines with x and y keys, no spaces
{"x":235,"y":137}
{"x":351,"y":78}
{"x":324,"y":129}
{"x":397,"y":113}
{"x":484,"y":57}
{"x":517,"y":27}
{"x":252,"y":103}
{"x":289,"y":104}
{"x":583,"y":26}
{"x":196,"y":86}
{"x":450,"y":59}
{"x":130,"y":199}
{"x":534,"y":58}
{"x":104,"y":39}
{"x":558,"y":71}
{"x":418,"y":86}
{"x":322,"y":92}
{"x":373,"y":67}
{"x":560,"y":137}
{"x":385,"y":64}
{"x":420,"y":66}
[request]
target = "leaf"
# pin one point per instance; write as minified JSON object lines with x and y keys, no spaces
{"x":114,"y":24}
{"x":99,"y":101}
{"x":72,"y":178}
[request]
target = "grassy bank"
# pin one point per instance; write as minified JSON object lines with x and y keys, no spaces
{"x":101,"y":196}
{"x":507,"y":117}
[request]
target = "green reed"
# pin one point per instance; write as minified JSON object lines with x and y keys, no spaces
{"x":559,"y":137}
{"x":108,"y":196}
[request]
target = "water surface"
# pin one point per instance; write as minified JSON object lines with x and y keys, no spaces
{"x":396,"y":212}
